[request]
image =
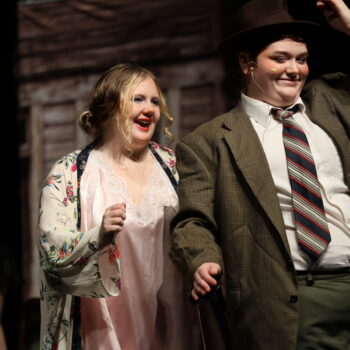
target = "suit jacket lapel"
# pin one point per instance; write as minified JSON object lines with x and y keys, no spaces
{"x":250,"y":158}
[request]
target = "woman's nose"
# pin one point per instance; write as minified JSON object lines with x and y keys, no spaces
{"x":149,"y":109}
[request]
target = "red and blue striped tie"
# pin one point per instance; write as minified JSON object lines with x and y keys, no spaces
{"x":310,"y":218}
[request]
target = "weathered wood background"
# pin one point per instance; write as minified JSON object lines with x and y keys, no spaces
{"x":75,"y":35}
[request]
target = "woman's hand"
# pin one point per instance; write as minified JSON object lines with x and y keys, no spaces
{"x":336,"y":13}
{"x":112,"y":223}
{"x":204,"y":279}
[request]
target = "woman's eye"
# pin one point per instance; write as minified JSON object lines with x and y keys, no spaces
{"x":138,"y":98}
{"x":155,"y":101}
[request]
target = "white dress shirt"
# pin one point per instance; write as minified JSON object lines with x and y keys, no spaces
{"x":335,"y":193}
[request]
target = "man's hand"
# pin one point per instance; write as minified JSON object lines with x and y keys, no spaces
{"x":204,"y":279}
{"x":336,"y":13}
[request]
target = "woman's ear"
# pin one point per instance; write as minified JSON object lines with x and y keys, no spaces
{"x":243,"y":60}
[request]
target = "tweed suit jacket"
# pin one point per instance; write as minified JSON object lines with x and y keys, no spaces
{"x":230,"y":214}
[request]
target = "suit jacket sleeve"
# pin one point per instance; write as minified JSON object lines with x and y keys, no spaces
{"x":194,"y":236}
{"x":334,"y":90}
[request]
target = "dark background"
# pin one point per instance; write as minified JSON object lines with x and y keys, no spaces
{"x":10,"y":241}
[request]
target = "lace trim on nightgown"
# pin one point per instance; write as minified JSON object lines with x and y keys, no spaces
{"x":157,"y":192}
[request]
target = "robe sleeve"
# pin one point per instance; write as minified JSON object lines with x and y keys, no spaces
{"x":72,"y":261}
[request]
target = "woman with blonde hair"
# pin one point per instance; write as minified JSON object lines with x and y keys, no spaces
{"x":107,"y":280}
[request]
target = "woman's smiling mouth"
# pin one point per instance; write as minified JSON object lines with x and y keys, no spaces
{"x":143,"y":123}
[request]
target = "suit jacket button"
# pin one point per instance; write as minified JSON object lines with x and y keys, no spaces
{"x":293,"y":299}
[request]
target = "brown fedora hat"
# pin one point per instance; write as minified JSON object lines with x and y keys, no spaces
{"x":258,"y":18}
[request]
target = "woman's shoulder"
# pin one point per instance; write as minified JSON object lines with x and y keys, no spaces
{"x":167,"y":156}
{"x":62,"y":176}
{"x":63,"y":168}
{"x":166,"y":151}
{"x":68,"y":162}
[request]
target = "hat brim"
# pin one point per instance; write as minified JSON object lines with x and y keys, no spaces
{"x":305,"y":29}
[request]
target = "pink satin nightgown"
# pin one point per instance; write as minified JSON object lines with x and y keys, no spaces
{"x":151,"y":311}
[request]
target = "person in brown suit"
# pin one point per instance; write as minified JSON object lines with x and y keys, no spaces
{"x":265,"y":209}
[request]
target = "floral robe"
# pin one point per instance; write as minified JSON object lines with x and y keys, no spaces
{"x":73,"y":264}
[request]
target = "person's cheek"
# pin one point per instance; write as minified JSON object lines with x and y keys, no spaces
{"x":305,"y":70}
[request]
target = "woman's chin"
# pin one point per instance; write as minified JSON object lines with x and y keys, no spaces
{"x":139,"y":143}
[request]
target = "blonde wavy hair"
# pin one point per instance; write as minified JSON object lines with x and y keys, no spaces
{"x":112,"y":93}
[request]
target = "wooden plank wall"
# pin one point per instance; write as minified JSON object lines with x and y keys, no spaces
{"x":85,"y":34}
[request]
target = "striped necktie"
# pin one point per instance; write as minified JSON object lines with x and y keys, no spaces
{"x":310,"y":218}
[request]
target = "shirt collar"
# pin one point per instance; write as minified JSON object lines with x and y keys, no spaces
{"x":260,"y":111}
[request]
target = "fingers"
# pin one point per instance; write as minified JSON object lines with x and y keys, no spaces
{"x":194,"y":294}
{"x":116,"y":210}
{"x":215,"y":269}
{"x":333,"y":8}
{"x":332,"y":4}
{"x":204,"y":279}
{"x":113,"y":218}
{"x":117,"y":206}
{"x":337,"y":14}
